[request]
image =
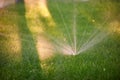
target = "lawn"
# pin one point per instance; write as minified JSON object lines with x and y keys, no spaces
{"x":20,"y":43}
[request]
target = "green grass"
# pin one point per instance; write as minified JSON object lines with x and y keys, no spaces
{"x":97,"y":64}
{"x":101,"y":62}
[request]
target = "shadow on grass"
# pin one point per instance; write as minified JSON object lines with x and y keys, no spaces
{"x":28,"y":67}
{"x":31,"y":69}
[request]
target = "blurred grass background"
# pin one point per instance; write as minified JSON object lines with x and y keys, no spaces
{"x":19,"y":58}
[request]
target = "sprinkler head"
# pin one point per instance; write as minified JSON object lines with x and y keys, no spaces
{"x":73,"y":54}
